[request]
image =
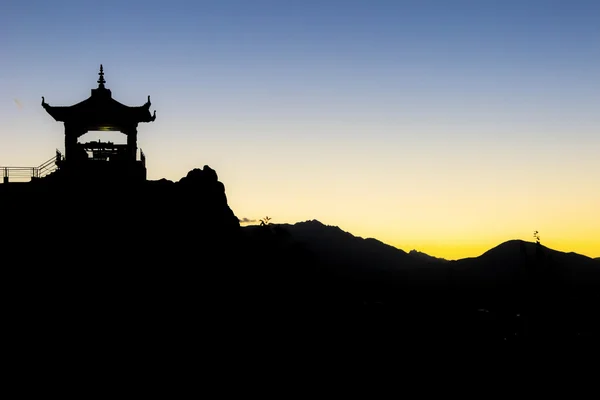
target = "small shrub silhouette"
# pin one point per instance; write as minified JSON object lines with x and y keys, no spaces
{"x":265,"y":221}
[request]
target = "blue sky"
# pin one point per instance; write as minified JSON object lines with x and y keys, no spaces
{"x":441,"y":125}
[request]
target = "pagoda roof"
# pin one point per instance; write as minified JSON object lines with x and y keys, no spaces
{"x":100,"y":111}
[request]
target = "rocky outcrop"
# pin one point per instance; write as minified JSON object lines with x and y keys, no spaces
{"x":125,"y":221}
{"x":198,"y":201}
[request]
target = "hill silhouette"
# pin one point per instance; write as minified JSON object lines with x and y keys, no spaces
{"x":336,"y":246}
{"x":502,"y":281}
{"x":163,"y":259}
{"x":502,"y":262}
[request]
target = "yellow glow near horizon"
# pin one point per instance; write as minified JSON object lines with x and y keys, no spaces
{"x":453,"y":247}
{"x":439,"y":220}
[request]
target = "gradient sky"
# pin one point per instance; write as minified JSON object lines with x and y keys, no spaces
{"x":445,"y":126}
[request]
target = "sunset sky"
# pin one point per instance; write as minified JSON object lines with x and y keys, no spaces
{"x":444,"y":126}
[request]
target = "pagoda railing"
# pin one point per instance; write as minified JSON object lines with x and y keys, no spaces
{"x":26,"y":174}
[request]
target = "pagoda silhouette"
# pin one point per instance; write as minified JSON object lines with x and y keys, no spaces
{"x":97,"y":160}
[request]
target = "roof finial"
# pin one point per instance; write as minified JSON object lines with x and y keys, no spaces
{"x":101,"y":81}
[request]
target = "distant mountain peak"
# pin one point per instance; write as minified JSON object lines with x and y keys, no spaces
{"x":508,"y":247}
{"x":311,"y":222}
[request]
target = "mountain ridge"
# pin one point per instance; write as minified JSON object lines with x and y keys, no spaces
{"x":508,"y":245}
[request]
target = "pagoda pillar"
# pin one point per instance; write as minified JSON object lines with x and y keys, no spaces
{"x":132,"y":143}
{"x":71,"y":135}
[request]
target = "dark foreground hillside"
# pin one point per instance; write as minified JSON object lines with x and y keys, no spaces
{"x":166,"y":265}
{"x":514,"y":292}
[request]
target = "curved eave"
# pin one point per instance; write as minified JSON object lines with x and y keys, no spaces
{"x":143,"y":114}
{"x":94,"y":111}
{"x":58,"y":113}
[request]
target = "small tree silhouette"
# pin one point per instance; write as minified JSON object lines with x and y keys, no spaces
{"x":536,"y":235}
{"x":265,"y":221}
